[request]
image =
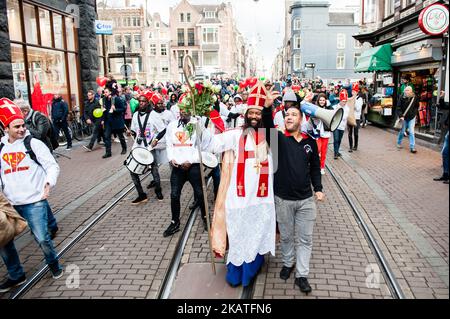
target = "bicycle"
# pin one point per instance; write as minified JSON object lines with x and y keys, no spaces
{"x":79,"y":126}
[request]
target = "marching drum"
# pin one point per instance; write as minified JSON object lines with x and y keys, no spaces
{"x":139,"y":160}
{"x":209,"y":160}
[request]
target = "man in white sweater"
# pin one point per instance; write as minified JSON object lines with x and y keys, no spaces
{"x":27,"y":173}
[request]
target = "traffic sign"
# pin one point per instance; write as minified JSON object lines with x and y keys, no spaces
{"x":310,"y":65}
{"x":127,"y":68}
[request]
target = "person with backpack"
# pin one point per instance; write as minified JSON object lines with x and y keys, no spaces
{"x":26,"y":179}
{"x":37,"y":124}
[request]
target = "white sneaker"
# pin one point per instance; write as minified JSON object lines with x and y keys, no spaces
{"x":322,"y":171}
{"x":116,"y":140}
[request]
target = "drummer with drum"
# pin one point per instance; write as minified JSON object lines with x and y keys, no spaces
{"x":140,"y":159}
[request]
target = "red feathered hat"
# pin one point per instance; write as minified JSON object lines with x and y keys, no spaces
{"x":9,"y":112}
{"x":257,"y":97}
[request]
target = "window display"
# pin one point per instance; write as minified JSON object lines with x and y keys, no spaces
{"x":383,"y":101}
{"x":46,"y":52}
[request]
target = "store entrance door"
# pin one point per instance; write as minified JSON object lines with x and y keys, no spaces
{"x":424,"y":80}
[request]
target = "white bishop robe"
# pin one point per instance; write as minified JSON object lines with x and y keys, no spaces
{"x":250,"y":220}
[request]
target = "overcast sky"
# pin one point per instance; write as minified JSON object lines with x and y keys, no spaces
{"x":266,"y":25}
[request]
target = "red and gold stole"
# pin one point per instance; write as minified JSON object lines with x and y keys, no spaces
{"x":262,"y":168}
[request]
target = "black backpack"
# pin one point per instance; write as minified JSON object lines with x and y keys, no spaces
{"x":50,"y":132}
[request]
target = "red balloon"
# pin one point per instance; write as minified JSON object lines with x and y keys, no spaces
{"x":101,"y":81}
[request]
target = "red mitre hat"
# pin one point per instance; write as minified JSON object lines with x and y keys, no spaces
{"x":9,"y":112}
{"x":257,"y":97}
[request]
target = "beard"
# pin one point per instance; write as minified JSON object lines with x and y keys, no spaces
{"x":248,"y":123}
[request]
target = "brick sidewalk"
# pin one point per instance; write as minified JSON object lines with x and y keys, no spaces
{"x":406,"y":210}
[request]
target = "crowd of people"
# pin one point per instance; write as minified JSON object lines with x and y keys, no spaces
{"x":272,"y":157}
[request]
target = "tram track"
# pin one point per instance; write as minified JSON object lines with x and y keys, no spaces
{"x":388,"y":274}
{"x":101,"y":213}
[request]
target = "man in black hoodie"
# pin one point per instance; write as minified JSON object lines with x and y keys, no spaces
{"x":60,"y":111}
{"x":298,"y":167}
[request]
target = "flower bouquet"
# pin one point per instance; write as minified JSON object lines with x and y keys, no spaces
{"x":203,"y":96}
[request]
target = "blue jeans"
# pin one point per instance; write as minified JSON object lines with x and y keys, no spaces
{"x":51,"y":221}
{"x":36,"y":215}
{"x":445,"y":155}
{"x":337,"y":139}
{"x":410,"y":125}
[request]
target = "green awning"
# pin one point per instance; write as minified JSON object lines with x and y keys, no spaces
{"x":375,"y":59}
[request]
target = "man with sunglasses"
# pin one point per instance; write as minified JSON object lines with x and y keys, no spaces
{"x":26,"y":179}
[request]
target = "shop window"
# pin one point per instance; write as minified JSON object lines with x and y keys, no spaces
{"x":47,"y":73}
{"x":57,"y":31}
{"x":73,"y":77}
{"x":15,"y":32}
{"x":70,"y":34}
{"x":18,"y":68}
{"x":30,"y":24}
{"x":46,"y":33}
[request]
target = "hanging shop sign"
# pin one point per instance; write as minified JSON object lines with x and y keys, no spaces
{"x":434,"y":19}
{"x":103,"y":27}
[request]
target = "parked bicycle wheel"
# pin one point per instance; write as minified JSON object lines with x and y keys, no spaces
{"x":76,"y":130}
